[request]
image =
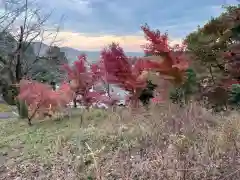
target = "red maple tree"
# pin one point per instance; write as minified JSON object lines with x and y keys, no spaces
{"x":174,"y":63}
{"x":82,"y":79}
{"x":130,"y":74}
{"x":41,"y":99}
{"x":114,"y":67}
{"x":120,"y":70}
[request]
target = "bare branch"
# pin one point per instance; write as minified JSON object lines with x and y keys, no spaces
{"x":11,"y":15}
{"x":26,"y":13}
{"x":32,"y":26}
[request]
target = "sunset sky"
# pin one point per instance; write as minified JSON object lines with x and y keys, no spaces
{"x":91,"y":24}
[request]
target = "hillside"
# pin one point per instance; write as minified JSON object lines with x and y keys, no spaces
{"x":72,"y":53}
{"x":165,"y":143}
{"x":7,"y":43}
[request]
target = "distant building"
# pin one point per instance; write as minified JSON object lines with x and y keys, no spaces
{"x":55,"y":55}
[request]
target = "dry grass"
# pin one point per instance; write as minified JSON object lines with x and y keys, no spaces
{"x":164,"y":143}
{"x":4,"y":108}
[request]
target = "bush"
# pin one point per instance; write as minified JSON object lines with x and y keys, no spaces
{"x":235,"y":95}
{"x":22,"y":109}
{"x":9,"y":93}
{"x":147,"y":93}
{"x":181,"y":95}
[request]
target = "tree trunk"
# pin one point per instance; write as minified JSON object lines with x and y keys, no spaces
{"x":18,"y":73}
{"x":75,"y":102}
{"x":22,"y":109}
{"x":53,"y":84}
{"x":211,"y":73}
{"x":19,"y":53}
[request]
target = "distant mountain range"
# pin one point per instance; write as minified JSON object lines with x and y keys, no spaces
{"x":72,"y":53}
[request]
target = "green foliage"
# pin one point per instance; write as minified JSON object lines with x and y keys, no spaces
{"x":44,"y":76}
{"x":209,"y":42}
{"x":22,"y":109}
{"x":236,"y":32}
{"x":183,"y":93}
{"x":177,"y":95}
{"x":235,"y":95}
{"x":9,"y":93}
{"x":47,"y":76}
{"x":147,"y":93}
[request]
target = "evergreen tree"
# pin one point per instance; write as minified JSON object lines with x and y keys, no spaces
{"x":147,"y":93}
{"x":182,"y":94}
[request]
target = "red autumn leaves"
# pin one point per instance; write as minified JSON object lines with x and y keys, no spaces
{"x":114,"y":67}
{"x":40,"y":97}
{"x":173,"y":59}
{"x":119,"y":69}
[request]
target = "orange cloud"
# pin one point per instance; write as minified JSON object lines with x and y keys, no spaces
{"x":131,"y":43}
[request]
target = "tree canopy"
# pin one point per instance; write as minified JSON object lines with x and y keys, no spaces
{"x":208,"y":43}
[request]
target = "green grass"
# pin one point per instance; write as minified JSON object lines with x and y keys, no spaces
{"x":4,"y":108}
{"x":46,"y":140}
{"x":36,"y":140}
{"x":41,"y":140}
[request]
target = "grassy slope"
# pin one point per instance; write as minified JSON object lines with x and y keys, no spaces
{"x":43,"y":141}
{"x":151,"y":146}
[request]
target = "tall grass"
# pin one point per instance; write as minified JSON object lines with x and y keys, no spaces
{"x":165,"y":142}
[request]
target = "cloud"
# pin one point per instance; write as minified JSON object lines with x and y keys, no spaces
{"x":231,"y":2}
{"x":79,"y":41}
{"x":81,"y":7}
{"x":91,"y":24}
{"x":120,"y":17}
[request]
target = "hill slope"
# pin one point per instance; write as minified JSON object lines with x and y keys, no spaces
{"x":150,"y":146}
{"x":72,"y":53}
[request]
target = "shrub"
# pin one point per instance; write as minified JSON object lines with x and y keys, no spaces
{"x":182,"y":94}
{"x":234,"y":95}
{"x":9,"y":93}
{"x":22,"y":109}
{"x":147,"y":93}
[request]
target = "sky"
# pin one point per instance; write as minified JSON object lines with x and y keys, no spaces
{"x":92,"y":24}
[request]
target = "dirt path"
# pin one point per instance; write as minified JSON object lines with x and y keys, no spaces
{"x":7,"y":115}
